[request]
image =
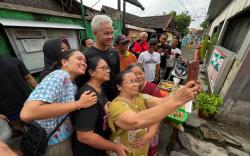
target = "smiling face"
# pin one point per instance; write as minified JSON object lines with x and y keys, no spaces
{"x":163,"y":39}
{"x":129,"y":85}
{"x":140,"y":75}
{"x":122,"y":48}
{"x":89,"y":42}
{"x":75,"y":65}
{"x":104,"y":35}
{"x":101,"y":72}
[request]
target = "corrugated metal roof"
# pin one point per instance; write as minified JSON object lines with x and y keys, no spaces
{"x":38,"y":24}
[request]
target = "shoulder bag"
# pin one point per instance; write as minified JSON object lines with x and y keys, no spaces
{"x":35,"y":139}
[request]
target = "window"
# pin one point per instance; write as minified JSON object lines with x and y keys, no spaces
{"x":236,"y":32}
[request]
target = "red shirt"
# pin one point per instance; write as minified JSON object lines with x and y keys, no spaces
{"x":140,"y":47}
{"x":151,"y":89}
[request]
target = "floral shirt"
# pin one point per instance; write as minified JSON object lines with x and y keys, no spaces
{"x":55,"y":88}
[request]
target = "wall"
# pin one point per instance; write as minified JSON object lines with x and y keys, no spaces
{"x":4,"y":50}
{"x":19,"y":15}
{"x":133,"y":32}
{"x":237,"y":82}
{"x":118,"y":28}
{"x":232,"y":9}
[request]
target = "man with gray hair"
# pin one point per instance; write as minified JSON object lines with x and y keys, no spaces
{"x":103,"y":30}
{"x":91,"y":138}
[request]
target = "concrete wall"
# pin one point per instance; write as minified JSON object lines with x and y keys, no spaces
{"x":232,"y":9}
{"x":20,"y":15}
{"x":237,"y":83}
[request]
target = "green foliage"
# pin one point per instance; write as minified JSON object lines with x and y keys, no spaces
{"x":208,"y":103}
{"x":211,"y":45}
{"x":204,"y":24}
{"x":182,"y":21}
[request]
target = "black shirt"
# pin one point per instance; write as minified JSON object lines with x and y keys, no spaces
{"x":14,"y":90}
{"x":89,"y":119}
{"x":167,"y":49}
{"x":112,"y":58}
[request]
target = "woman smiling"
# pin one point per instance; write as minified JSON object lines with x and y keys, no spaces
{"x":132,"y":113}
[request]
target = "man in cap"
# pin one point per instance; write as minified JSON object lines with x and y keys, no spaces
{"x":126,"y":57}
{"x":151,"y":62}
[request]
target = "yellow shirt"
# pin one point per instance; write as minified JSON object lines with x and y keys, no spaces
{"x":125,"y":137}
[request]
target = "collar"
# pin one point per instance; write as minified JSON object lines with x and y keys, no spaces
{"x":126,"y":54}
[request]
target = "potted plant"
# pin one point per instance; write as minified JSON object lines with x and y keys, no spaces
{"x":207,"y":104}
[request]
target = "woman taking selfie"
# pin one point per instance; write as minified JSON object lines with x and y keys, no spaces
{"x":54,"y":98}
{"x":131,"y":113}
{"x":149,"y":88}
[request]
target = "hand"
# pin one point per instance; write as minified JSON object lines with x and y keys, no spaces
{"x":5,"y":150}
{"x":106,"y":107}
{"x":141,"y":142}
{"x":156,"y":79}
{"x":121,"y":150}
{"x":188,"y":92}
{"x":87,"y":99}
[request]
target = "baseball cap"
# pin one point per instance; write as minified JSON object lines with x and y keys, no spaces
{"x":133,"y":36}
{"x":121,"y":39}
{"x":152,"y":41}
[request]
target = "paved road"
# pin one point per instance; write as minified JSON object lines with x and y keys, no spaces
{"x":188,"y":53}
{"x":166,"y":130}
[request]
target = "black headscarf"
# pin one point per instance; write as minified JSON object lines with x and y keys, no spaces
{"x":51,"y":50}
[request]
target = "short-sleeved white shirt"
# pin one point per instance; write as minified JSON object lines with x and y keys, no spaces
{"x":149,"y":61}
{"x":170,"y":61}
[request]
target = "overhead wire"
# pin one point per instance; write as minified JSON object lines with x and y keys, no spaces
{"x":96,"y":3}
{"x":183,"y":5}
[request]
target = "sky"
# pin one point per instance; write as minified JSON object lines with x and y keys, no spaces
{"x":196,"y":8}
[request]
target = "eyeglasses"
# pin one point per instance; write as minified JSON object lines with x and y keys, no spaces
{"x":104,"y":68}
{"x":131,"y":81}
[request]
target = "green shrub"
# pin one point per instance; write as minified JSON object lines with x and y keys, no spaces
{"x":208,"y":103}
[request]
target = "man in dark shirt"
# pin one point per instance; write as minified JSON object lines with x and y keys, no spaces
{"x":14,"y":90}
{"x":103,"y":30}
{"x":165,"y":50}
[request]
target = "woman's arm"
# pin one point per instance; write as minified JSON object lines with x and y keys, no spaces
{"x":36,"y":110}
{"x":96,"y":141}
{"x":30,"y":80}
{"x":5,"y":150}
{"x":147,"y":137}
{"x":131,"y":120}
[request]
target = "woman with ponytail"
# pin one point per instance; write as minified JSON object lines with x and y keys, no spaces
{"x":54,"y":98}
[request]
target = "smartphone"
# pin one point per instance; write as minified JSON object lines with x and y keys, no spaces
{"x":193,"y":70}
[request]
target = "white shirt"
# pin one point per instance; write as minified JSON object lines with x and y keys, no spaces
{"x":170,"y":61}
{"x":149,"y":61}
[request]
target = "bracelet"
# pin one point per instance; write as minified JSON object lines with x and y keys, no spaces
{"x":76,"y":104}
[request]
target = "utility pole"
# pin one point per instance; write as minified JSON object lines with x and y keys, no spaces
{"x":124,"y":17}
{"x":119,"y":5}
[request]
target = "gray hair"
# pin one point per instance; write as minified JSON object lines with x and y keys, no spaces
{"x":143,"y":34}
{"x":98,"y":20}
{"x":133,"y":65}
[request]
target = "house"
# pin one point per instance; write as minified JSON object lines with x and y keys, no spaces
{"x":228,"y":68}
{"x":26,"y":24}
{"x":151,"y":24}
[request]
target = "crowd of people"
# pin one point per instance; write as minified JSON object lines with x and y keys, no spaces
{"x":106,"y":96}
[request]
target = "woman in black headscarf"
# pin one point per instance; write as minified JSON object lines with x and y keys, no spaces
{"x":52,"y":50}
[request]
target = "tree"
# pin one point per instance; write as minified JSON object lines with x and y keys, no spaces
{"x":182,"y":21}
{"x":204,"y":24}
